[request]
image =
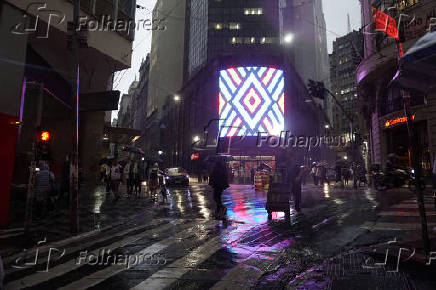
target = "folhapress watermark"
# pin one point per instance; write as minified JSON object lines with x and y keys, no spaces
{"x":107,"y":258}
{"x":287,"y":140}
{"x":107,"y":23}
{"x":55,"y":18}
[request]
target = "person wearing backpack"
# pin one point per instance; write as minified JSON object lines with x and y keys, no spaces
{"x":44,"y":186}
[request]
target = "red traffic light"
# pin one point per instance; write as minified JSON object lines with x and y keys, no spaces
{"x":45,"y":136}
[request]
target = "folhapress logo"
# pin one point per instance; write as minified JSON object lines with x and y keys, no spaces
{"x":36,"y":26}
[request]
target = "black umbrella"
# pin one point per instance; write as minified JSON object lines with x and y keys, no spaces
{"x":133,"y":149}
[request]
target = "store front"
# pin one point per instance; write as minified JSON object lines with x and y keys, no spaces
{"x":397,"y":142}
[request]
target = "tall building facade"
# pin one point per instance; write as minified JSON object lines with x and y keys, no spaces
{"x":344,"y":60}
{"x":381,"y":103}
{"x":166,"y":66}
{"x":311,"y":57}
{"x":217,"y":28}
{"x":37,"y":81}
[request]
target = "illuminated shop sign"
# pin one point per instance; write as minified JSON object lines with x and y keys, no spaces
{"x":390,"y":123}
{"x":251,"y":100}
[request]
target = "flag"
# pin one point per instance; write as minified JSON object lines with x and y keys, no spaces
{"x":385,"y":23}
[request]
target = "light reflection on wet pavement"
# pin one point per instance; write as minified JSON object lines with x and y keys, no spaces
{"x":247,"y":251}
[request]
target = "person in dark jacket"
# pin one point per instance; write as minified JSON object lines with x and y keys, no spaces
{"x":295,"y":176}
{"x":218,"y":180}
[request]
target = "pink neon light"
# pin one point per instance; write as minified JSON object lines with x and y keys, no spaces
{"x":235,"y":76}
{"x":235,"y":127}
{"x":282,"y":103}
{"x":268,"y":125}
{"x":268,"y":76}
{"x":222,"y":103}
{"x":252,"y":101}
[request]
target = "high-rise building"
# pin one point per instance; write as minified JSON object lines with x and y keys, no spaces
{"x":344,"y":60}
{"x":217,"y":28}
{"x":166,"y":64}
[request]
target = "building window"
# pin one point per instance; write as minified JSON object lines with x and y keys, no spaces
{"x":236,"y":40}
{"x":234,"y":26}
{"x":253,"y":11}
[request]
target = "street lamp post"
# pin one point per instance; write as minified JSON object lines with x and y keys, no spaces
{"x":74,"y":168}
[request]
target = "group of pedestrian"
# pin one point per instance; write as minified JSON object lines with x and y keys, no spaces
{"x":112,"y":174}
{"x":319,"y":173}
{"x":350,"y":172}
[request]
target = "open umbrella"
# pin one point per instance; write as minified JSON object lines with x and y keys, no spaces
{"x":133,"y":149}
{"x":417,"y":68}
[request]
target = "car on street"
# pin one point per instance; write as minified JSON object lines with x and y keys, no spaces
{"x":176,"y":176}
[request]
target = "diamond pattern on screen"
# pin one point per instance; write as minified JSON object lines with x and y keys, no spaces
{"x":251,"y":100}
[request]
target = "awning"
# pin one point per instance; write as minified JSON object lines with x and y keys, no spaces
{"x":99,"y":101}
{"x":121,"y":135}
{"x":418,"y":66}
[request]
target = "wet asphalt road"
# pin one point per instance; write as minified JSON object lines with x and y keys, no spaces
{"x":178,"y":245}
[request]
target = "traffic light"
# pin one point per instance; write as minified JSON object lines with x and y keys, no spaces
{"x":44,"y":136}
{"x":316,"y":89}
{"x":43,"y":145}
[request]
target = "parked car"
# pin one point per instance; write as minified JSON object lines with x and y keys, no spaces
{"x":176,"y":176}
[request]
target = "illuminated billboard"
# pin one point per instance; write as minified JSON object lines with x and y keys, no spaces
{"x":251,"y":100}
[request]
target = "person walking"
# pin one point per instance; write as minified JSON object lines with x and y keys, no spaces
{"x":296,"y":176}
{"x":346,"y":175}
{"x":218,"y":180}
{"x":128,"y":178}
{"x":433,"y":177}
{"x":153,"y":181}
{"x":313,"y":173}
{"x":44,"y":185}
{"x":136,"y":179}
{"x":115,"y":179}
{"x":319,"y":175}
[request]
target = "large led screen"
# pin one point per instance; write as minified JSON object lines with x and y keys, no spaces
{"x":251,"y":100}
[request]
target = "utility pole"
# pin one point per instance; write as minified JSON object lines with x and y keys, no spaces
{"x":74,"y":167}
{"x":32,"y":168}
{"x":415,"y":159}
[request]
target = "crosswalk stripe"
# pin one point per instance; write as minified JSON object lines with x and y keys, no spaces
{"x":168,"y":275}
{"x":382,"y":226}
{"x":243,"y":276}
{"x":44,"y":249}
{"x":110,"y":271}
{"x":70,"y":265}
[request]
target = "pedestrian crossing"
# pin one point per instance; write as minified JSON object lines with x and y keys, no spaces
{"x":404,"y":216}
{"x":185,"y":244}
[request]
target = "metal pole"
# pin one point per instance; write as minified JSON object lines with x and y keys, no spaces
{"x":415,"y":161}
{"x":32,"y":168}
{"x":74,"y":168}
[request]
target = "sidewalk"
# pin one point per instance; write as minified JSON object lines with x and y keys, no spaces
{"x":97,"y":213}
{"x":362,"y":269}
